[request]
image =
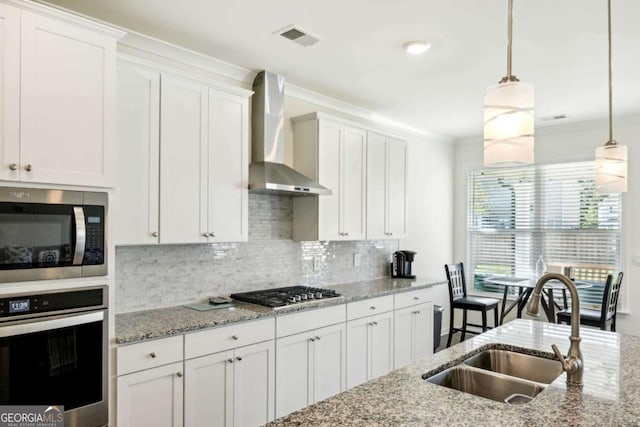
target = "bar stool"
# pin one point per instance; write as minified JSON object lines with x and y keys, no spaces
{"x":458,"y":298}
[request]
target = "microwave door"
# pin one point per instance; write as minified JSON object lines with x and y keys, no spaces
{"x":80,"y":235}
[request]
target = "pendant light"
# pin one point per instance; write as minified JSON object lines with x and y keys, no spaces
{"x":508,"y":117}
{"x":611,"y":158}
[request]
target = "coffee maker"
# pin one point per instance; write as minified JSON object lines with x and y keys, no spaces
{"x":401,"y":264}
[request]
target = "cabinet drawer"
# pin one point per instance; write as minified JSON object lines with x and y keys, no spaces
{"x":405,"y":299}
{"x":145,"y":355}
{"x":307,"y":320}
{"x":368,"y":307}
{"x":228,"y":337}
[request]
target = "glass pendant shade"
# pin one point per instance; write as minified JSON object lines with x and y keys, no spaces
{"x":509,"y":125}
{"x":611,"y":168}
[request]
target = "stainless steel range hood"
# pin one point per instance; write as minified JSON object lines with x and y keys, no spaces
{"x":267,"y":173}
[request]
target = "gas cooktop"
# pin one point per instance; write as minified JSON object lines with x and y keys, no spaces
{"x":282,"y":297}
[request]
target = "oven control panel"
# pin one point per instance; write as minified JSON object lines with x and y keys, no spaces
{"x":43,"y":303}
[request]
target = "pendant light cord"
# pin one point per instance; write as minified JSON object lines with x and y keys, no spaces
{"x":611,"y":141}
{"x":510,"y":37}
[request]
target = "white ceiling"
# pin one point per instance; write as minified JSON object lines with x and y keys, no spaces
{"x":559,"y":45}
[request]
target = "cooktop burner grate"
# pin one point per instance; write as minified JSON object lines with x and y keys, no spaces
{"x":281,"y":297}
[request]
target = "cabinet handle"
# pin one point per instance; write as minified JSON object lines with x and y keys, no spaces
{"x":205,"y":234}
{"x":235,"y":337}
{"x":154,"y":234}
{"x":375,"y":323}
{"x":317,"y":338}
{"x":152,"y":354}
{"x":28,"y":168}
{"x":179,"y":374}
{"x":416,"y":298}
{"x":312,"y":339}
{"x":390,"y":234}
{"x":13,"y":166}
{"x":418,"y":312}
{"x":230,"y":360}
{"x":212,"y":234}
{"x":239,"y":359}
{"x":346,"y":234}
{"x":373,"y":307}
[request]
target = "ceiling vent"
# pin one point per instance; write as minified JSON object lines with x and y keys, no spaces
{"x":298,"y":35}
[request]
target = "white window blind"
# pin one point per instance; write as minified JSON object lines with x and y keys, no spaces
{"x":516,"y":215}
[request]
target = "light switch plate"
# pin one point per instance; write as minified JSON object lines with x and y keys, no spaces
{"x":316,"y":263}
{"x":356,"y":260}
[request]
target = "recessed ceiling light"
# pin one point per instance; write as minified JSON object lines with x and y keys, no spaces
{"x":416,"y":47}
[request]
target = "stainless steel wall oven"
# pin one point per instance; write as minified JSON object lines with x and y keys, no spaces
{"x":53,"y":351}
{"x":51,"y":234}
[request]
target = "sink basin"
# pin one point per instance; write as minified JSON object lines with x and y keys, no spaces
{"x":519,"y":365}
{"x":486,"y":384}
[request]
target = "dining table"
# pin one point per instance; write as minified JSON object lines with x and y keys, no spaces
{"x":525,"y":289}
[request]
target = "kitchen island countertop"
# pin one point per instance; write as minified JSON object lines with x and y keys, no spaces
{"x":163,"y":322}
{"x":610,"y":396}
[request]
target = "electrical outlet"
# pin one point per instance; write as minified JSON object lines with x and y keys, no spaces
{"x":316,"y":263}
{"x":356,"y":260}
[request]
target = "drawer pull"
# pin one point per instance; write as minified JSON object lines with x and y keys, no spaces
{"x":179,"y":374}
{"x":312,"y":339}
{"x":230,"y":360}
{"x":239,"y":359}
{"x":13,"y":166}
{"x":235,"y":337}
{"x":28,"y":168}
{"x":152,"y":354}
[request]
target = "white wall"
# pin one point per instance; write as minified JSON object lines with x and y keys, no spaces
{"x":566,"y":143}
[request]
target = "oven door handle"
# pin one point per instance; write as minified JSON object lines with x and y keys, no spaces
{"x":39,"y":325}
{"x":81,"y":235}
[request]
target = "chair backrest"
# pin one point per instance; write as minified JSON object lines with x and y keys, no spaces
{"x":610,"y":298}
{"x":457,"y":284}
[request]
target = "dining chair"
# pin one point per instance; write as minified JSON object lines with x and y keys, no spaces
{"x":458,"y":298}
{"x":604,"y":317}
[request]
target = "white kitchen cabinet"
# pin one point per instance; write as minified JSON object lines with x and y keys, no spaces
{"x":203,"y":163}
{"x":9,"y":92}
{"x":369,"y":348}
{"x":334,"y":155}
{"x":57,"y":98}
{"x":67,"y":103}
{"x":413,"y":335}
{"x":150,"y":383}
{"x":135,"y":213}
{"x":151,"y":398}
{"x":386,"y":187}
{"x":231,"y":388}
{"x":310,"y":367}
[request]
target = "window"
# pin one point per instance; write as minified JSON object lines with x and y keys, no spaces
{"x":517,"y":215}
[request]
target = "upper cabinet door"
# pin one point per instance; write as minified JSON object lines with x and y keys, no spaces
{"x":353,"y":198}
{"x":9,"y":92}
{"x":135,"y":211}
{"x":67,"y":103}
{"x":376,"y":186}
{"x":397,"y":193}
{"x":183,"y":161}
{"x":329,"y":167}
{"x":228,"y":165}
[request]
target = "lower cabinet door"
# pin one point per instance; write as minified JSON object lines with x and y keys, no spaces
{"x":207,"y":390}
{"x":329,"y":362}
{"x":151,"y":398}
{"x":358,"y":351}
{"x":403,"y":337}
{"x":381,"y":345}
{"x":423,"y":331}
{"x":293,"y":373}
{"x":253,"y":385}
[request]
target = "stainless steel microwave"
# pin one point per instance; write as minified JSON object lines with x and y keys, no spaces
{"x":51,"y":234}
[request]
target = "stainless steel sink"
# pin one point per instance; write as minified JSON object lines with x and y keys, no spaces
{"x":497,"y":387}
{"x":519,"y":365}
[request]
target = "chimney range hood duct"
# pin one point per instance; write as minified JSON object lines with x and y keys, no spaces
{"x":267,"y":173}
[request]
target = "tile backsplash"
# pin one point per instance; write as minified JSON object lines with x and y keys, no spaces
{"x":164,"y":275}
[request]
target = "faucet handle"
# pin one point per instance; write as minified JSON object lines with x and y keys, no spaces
{"x":560,"y":357}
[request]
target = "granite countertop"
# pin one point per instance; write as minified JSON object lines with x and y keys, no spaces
{"x":164,"y":322}
{"x":610,"y":396}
